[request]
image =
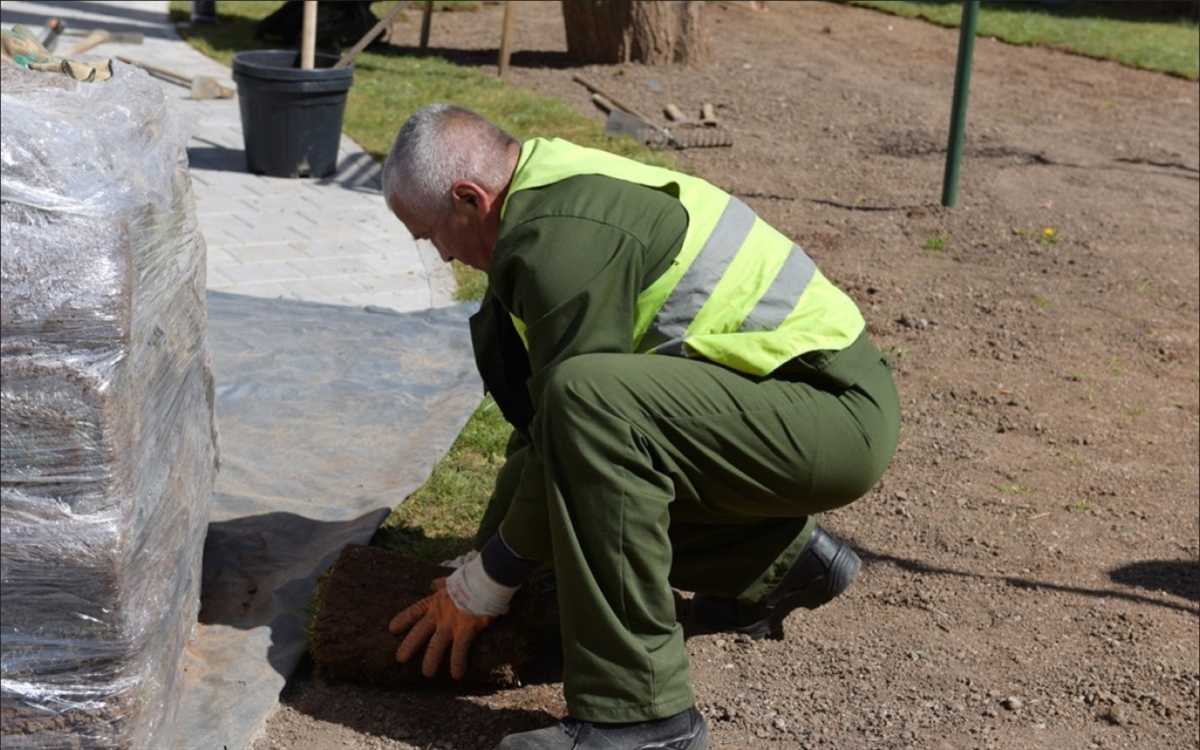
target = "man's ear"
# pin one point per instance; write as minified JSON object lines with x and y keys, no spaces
{"x":470,"y":196}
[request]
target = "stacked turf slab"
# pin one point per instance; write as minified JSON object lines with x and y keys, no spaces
{"x":106,"y":431}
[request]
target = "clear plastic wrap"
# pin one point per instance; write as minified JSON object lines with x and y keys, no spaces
{"x":107,"y":438}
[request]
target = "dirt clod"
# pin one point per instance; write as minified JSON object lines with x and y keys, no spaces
{"x":1115,"y":715}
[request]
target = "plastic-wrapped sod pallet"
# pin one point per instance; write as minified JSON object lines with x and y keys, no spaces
{"x":107,"y":433}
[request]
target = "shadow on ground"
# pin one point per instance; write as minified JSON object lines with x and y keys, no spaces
{"x":1178,"y":577}
{"x":484,"y":57}
{"x":236,"y":34}
{"x":419,"y":717}
{"x":359,"y":171}
{"x":1174,"y":577}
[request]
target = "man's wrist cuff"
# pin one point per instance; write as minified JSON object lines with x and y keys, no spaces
{"x":473,"y":590}
{"x":503,"y":565}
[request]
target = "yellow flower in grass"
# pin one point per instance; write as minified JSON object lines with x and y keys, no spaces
{"x":1049,"y":233}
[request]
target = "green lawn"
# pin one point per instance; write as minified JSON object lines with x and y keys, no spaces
{"x":439,"y":519}
{"x":1119,"y":31}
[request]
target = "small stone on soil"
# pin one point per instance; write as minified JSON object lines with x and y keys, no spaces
{"x":1012,"y":703}
{"x":1116,"y":716}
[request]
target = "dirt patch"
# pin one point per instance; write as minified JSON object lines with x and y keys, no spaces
{"x":1031,"y":557}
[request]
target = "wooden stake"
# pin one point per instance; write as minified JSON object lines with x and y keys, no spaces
{"x":308,"y":38}
{"x":505,"y":36}
{"x":426,"y":17}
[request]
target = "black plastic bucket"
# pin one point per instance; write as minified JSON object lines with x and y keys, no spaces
{"x":291,"y":118}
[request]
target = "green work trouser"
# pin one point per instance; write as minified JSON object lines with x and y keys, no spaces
{"x":647,"y":472}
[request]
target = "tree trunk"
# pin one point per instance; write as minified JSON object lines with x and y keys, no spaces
{"x":654,"y":32}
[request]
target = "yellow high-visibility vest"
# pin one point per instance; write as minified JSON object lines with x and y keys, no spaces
{"x":739,"y":293}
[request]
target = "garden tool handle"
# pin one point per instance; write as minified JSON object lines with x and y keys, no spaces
{"x":384,"y":23}
{"x":94,"y":39}
{"x":620,"y":105}
{"x":171,"y":75}
{"x":55,"y":27}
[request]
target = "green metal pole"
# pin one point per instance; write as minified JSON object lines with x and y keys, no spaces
{"x":958,"y":110}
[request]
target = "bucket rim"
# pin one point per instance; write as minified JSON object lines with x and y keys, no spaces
{"x":255,"y":64}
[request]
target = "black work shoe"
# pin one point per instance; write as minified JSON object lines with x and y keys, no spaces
{"x":822,"y":571}
{"x":685,"y":730}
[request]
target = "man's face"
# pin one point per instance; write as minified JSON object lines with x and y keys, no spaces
{"x":458,"y":234}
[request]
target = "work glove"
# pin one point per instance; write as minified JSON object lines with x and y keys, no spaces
{"x":23,"y":48}
{"x":460,"y":607}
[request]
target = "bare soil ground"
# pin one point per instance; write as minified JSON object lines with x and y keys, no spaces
{"x":1032,"y":575}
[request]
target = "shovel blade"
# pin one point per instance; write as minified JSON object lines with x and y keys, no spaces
{"x":623,"y":123}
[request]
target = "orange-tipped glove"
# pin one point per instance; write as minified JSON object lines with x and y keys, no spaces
{"x":457,"y":611}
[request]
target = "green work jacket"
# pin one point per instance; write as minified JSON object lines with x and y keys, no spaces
{"x":598,"y":253}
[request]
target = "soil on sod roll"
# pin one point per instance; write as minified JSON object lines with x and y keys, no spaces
{"x":368,"y":586}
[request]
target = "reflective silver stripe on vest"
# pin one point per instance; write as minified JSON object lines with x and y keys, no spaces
{"x":706,"y":270}
{"x":674,"y":347}
{"x":783,"y":294}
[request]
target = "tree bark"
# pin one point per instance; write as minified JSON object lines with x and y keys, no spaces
{"x":653,"y":32}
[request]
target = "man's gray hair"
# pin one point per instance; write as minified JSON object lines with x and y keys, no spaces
{"x":437,"y":146}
